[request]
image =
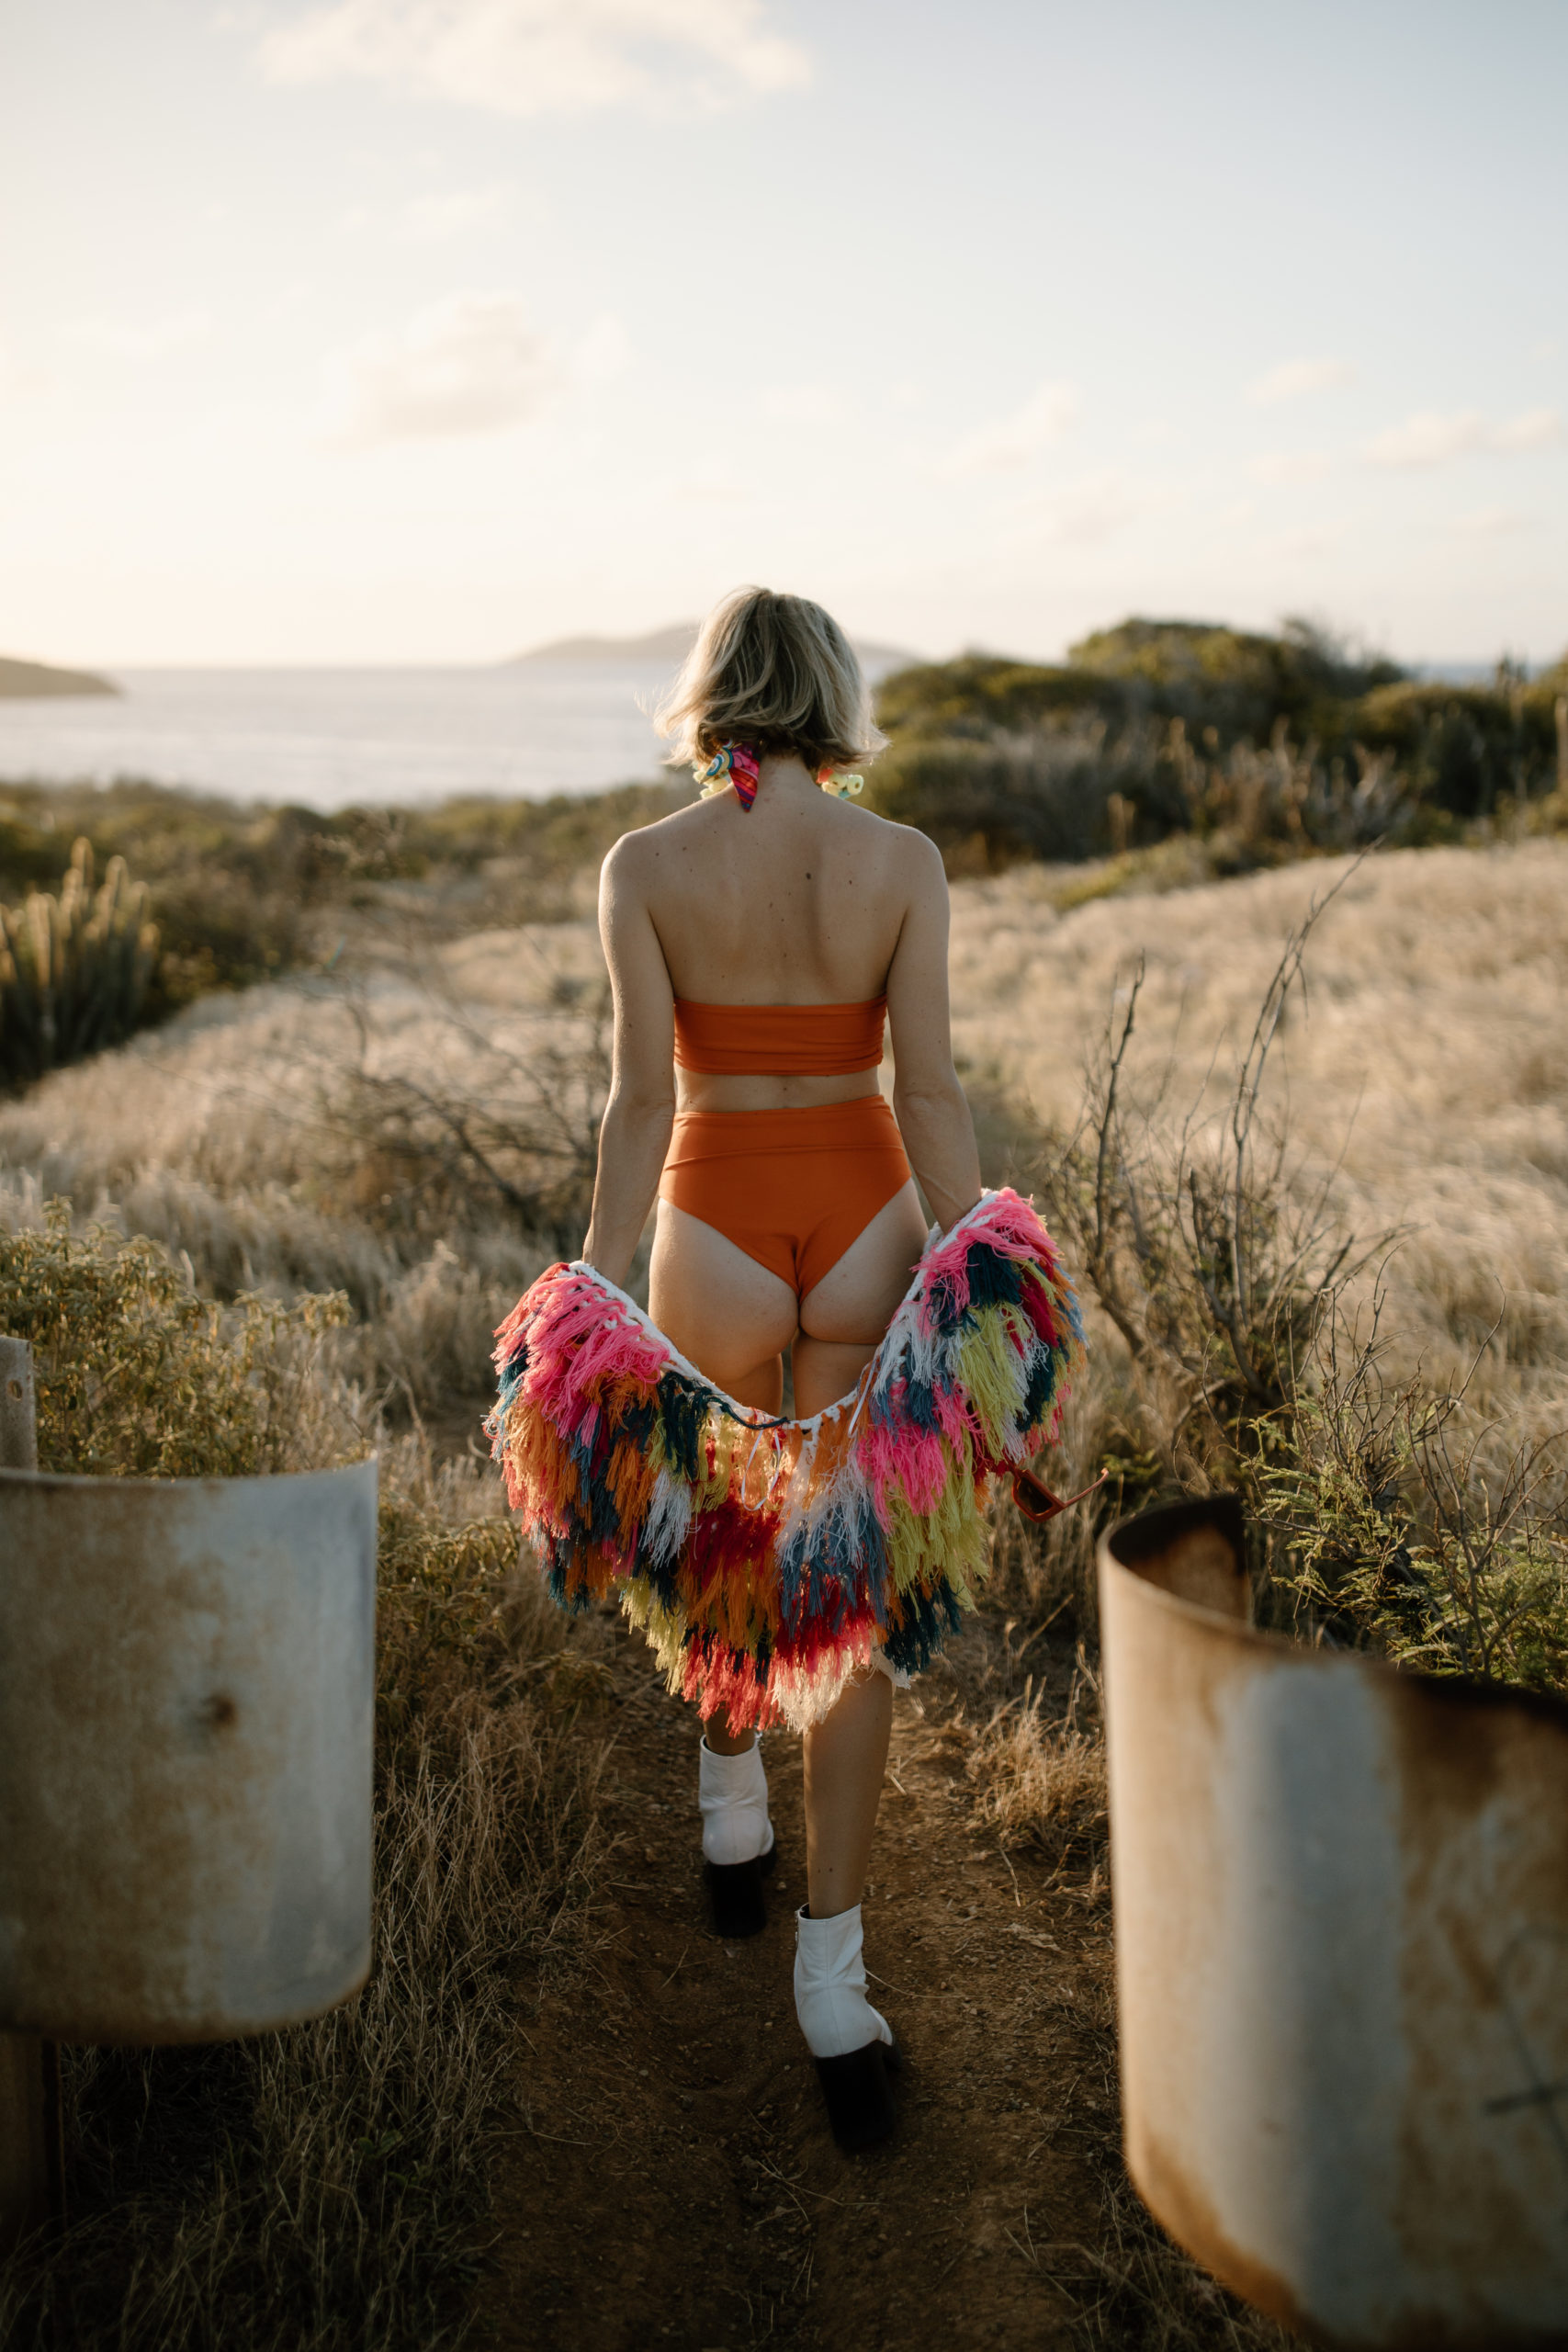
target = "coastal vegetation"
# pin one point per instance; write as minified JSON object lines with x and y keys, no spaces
{"x":1312,"y":1185}
{"x":1299,"y":1117}
{"x":1161,"y":753}
{"x":1255,"y":749}
{"x":74,"y":968}
{"x":325,"y":2187}
{"x":225,"y":897}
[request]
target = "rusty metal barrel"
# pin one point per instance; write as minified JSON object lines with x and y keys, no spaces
{"x":185,"y":1721}
{"x":1341,"y":1902}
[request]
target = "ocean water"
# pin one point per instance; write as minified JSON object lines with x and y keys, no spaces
{"x":327,"y":738}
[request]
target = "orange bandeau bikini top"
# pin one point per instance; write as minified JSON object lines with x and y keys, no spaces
{"x":799,"y":1040}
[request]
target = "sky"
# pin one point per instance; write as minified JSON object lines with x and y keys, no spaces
{"x":384,"y":331}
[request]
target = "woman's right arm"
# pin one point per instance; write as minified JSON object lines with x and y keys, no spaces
{"x":635,"y":1133}
{"x":928,"y":1100}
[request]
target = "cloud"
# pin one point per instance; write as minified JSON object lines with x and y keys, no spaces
{"x":149,"y":339}
{"x":714,"y":484}
{"x":450,"y":212}
{"x":1539,"y":428}
{"x":1316,"y":539}
{"x":472,"y":363}
{"x":1015,"y":441}
{"x":1291,"y":465}
{"x":1086,"y":512}
{"x":1489,"y":521}
{"x":605,"y":352}
{"x":803,"y":404}
{"x":537,"y":57}
{"x":1429,"y":439}
{"x":432,"y":218}
{"x":1295,"y":377}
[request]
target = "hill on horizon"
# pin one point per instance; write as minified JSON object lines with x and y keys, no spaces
{"x":20,"y":681}
{"x":674,"y":643}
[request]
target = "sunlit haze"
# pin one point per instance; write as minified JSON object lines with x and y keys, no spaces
{"x":424,"y":330}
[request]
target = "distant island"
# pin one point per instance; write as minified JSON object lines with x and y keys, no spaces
{"x":22,"y":681}
{"x":673,"y":644}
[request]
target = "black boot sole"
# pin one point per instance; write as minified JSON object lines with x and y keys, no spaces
{"x":735,"y":1893}
{"x":858,"y":2092}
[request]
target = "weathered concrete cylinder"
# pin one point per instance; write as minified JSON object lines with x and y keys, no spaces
{"x":186,"y":1718}
{"x":1341,"y":1900}
{"x":18,"y":1434}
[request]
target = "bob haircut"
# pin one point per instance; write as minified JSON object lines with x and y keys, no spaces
{"x":776,"y":673}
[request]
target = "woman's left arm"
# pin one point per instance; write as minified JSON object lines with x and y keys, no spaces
{"x":635,"y":1133}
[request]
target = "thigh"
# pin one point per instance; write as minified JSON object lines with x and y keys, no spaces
{"x":844,"y":1316}
{"x":726,"y":1314}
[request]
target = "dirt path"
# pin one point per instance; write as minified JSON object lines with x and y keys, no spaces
{"x":673,"y":2182}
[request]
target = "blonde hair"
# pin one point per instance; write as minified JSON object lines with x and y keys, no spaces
{"x":776,"y":673}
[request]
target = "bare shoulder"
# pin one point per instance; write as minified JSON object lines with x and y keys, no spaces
{"x":913,"y":856}
{"x":636,"y":858}
{"x":892,"y":840}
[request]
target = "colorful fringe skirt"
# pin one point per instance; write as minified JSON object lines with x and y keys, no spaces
{"x":769,"y":1560}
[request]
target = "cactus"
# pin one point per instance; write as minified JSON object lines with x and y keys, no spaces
{"x":74,"y":969}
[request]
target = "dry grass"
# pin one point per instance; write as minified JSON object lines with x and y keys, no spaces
{"x":327,"y":2187}
{"x":419,"y":1139}
{"x":1041,"y":1781}
{"x":1137,"y":2288}
{"x":1424,"y":1073}
{"x":416,"y":1137}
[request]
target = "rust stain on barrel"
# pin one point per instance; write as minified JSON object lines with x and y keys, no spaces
{"x":190,"y":1858}
{"x":1438,"y":1814}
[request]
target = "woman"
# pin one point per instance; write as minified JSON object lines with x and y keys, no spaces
{"x":754,"y":943}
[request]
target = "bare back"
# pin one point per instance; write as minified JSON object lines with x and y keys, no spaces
{"x":794,"y":902}
{"x":802,"y":899}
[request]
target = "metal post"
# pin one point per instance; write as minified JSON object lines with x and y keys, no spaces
{"x":31,"y":2153}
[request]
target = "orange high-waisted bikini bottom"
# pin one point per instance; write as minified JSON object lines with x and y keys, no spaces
{"x":791,"y":1188}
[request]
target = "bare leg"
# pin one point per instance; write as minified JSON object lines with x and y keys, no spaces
{"x":722,"y":1740}
{"x":846,"y":1755}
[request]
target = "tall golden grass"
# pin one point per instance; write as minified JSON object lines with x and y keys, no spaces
{"x":417,"y":1134}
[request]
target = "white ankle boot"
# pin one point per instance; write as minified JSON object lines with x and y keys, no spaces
{"x":829,"y":1986}
{"x":738,"y":1839}
{"x":732,"y":1795}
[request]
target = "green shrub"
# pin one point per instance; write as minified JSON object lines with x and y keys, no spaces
{"x":1039,"y":794}
{"x":1229,"y":680}
{"x":982,"y":693}
{"x":1389,"y":1518}
{"x":139,"y":1378}
{"x":73,"y":969}
{"x":1461,"y":749}
{"x":241,"y":895}
{"x":1266,"y":747}
{"x":1389,"y":1528}
{"x":323,"y":2189}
